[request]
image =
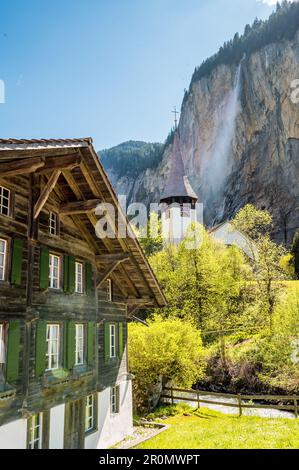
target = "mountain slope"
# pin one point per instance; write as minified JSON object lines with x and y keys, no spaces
{"x":239,"y":129}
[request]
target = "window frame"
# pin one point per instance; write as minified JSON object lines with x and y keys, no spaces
{"x":48,"y":348}
{"x":5,"y":257}
{"x":3,"y":337}
{"x":56,"y":231}
{"x":112,"y":344}
{"x":94,"y":411}
{"x":51,"y":278}
{"x":185,"y":211}
{"x":115,"y":400}
{"x":31,"y":427}
{"x":82,"y":348}
{"x":9,"y":199}
{"x":109,"y":289}
{"x":79,"y":263}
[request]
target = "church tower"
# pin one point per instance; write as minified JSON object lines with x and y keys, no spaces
{"x":179,"y":199}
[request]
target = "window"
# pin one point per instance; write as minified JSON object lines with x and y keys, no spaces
{"x":79,"y":351}
{"x":52,"y":347}
{"x":54,"y":271}
{"x":109,"y":290}
{"x":53,"y":223}
{"x":35,"y":431}
{"x":114,"y":399}
{"x":79,"y":278}
{"x":185,"y":210}
{"x":90,"y":409}
{"x":3,"y":250}
{"x":4,"y":201}
{"x":2,"y":347}
{"x":112,"y":332}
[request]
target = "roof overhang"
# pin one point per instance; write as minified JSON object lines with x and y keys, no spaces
{"x":82,"y":184}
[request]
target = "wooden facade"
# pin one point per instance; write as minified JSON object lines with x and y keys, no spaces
{"x":48,"y":232}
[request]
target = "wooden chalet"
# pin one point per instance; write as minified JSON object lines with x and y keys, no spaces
{"x":65,"y":299}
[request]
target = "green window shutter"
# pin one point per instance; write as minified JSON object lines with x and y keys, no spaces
{"x":13,"y":351}
{"x":16,"y":264}
{"x":44,"y":268}
{"x":69,"y":345}
{"x":40,"y":348}
{"x":66,"y":273}
{"x":106,"y":341}
{"x":88,"y":278}
{"x":71,"y":286}
{"x":90,"y":342}
{"x":120,"y":340}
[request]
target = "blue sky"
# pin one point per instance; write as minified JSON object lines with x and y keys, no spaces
{"x":109,"y":69}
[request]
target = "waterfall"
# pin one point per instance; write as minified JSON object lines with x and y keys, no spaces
{"x":217,"y":165}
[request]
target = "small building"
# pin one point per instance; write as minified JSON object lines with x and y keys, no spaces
{"x":178,"y":199}
{"x":229,"y":235}
{"x":66,"y":297}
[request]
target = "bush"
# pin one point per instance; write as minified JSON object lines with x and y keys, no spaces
{"x":165,"y":351}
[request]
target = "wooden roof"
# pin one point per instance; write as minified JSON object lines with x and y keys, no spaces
{"x":177,"y":183}
{"x":82,"y":181}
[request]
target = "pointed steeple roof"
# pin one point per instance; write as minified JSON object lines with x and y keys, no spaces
{"x":177,"y":184}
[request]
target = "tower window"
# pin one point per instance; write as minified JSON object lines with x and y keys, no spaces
{"x":185,"y":211}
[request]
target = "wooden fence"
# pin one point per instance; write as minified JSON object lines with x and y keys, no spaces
{"x":241,"y":401}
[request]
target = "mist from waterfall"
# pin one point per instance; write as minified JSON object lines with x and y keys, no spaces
{"x":216,"y":165}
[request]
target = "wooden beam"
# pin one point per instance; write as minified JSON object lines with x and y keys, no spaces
{"x":119,"y":285}
{"x":21,"y":167}
{"x":79,"y":207}
{"x":110,"y":257}
{"x":46,"y":193}
{"x":144,"y":301}
{"x":80,"y":196}
{"x":109,"y":270}
{"x":131,"y":309}
{"x":63,"y":162}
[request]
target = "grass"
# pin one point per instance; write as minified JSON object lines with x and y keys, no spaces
{"x":207,"y":429}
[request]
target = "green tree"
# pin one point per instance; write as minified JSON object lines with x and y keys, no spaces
{"x":266,"y":255}
{"x":165,"y":351}
{"x":209,"y":285}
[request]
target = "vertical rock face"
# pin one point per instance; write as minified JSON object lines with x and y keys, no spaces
{"x":263,"y":161}
{"x":239,"y":140}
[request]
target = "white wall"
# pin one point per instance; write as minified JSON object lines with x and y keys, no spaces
{"x":14,"y":435}
{"x":230,"y":236}
{"x":174,"y":228}
{"x":112,"y":428}
{"x":56,"y":435}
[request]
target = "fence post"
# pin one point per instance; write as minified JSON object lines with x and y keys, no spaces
{"x":296,"y":407}
{"x":198,"y":402}
{"x":171,"y":391}
{"x":240,"y":405}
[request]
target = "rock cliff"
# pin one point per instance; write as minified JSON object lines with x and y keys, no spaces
{"x":239,"y":134}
